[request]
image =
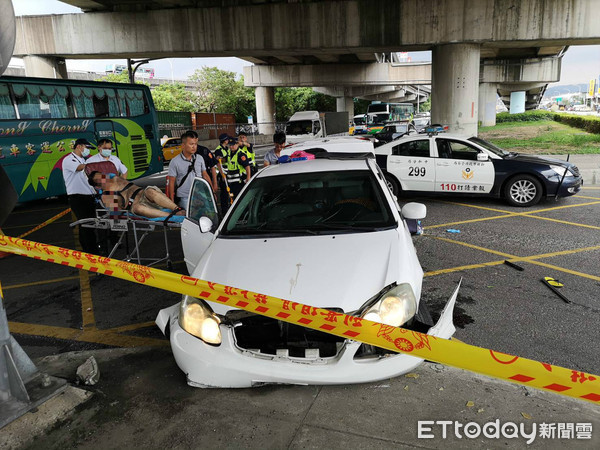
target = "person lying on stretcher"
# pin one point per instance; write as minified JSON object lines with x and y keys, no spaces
{"x":120,"y":194}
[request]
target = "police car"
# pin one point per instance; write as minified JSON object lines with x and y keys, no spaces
{"x":448,"y":164}
{"x":325,"y":232}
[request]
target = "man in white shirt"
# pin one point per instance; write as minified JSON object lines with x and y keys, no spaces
{"x":80,"y":193}
{"x":105,"y":149}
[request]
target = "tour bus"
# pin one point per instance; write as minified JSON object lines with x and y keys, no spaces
{"x":40,"y":119}
{"x":379,"y":113}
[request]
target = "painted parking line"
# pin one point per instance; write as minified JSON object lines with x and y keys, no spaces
{"x":533,"y":259}
{"x":509,"y":214}
{"x":575,"y":224}
{"x":103,"y":337}
{"x":591,"y":198}
{"x":132,"y":327}
{"x":39,"y":283}
{"x":31,"y":225}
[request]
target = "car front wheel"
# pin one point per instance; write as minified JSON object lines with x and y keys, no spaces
{"x":523,"y":190}
{"x":392,"y":184}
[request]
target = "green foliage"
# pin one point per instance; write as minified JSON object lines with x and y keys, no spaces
{"x":360,"y":106}
{"x":527,"y":116}
{"x":174,"y":97}
{"x":290,"y":100}
{"x":222,"y":91}
{"x":588,"y":123}
{"x":122,"y":77}
{"x":425,"y":106}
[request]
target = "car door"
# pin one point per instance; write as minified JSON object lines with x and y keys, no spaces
{"x":201,"y":203}
{"x":462,"y":167}
{"x":411,"y":163}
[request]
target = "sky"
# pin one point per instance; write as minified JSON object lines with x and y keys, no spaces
{"x":579,"y":65}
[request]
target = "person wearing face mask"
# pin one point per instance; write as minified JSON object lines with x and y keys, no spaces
{"x":79,"y":193}
{"x":105,"y":149}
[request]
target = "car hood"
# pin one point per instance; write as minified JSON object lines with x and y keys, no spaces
{"x":538,"y":160}
{"x":328,"y":271}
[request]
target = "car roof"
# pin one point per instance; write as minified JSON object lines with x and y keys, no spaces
{"x":339,"y":144}
{"x":314,"y":165}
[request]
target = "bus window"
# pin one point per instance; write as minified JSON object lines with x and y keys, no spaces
{"x":83,"y":100}
{"x":7,"y":109}
{"x":105,"y":103}
{"x":43,"y":102}
{"x":133,"y":102}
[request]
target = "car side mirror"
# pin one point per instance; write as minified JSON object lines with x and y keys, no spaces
{"x":205,"y":224}
{"x":482,"y":157}
{"x":414,"y":211}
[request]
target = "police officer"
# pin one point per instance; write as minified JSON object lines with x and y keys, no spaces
{"x":222,"y":153}
{"x":247,"y":148}
{"x":79,"y":193}
{"x":238,"y":168}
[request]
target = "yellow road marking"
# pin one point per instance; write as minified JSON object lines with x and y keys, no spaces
{"x":34,"y":225}
{"x":39,"y":283}
{"x":87,"y":307}
{"x":593,"y":227}
{"x":512,"y":214}
{"x":132,"y":327}
{"x":529,"y":259}
{"x":475,"y":206}
{"x":28,"y":211}
{"x":95,"y":336}
{"x":591,"y":198}
{"x":482,"y":219}
{"x":460,"y":268}
{"x":476,"y":247}
{"x":591,"y":188}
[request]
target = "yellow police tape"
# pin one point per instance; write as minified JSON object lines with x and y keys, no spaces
{"x":511,"y":368}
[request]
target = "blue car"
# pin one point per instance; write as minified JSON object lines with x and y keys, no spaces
{"x":447,"y":164}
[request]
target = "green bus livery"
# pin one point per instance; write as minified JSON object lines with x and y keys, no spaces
{"x":40,"y":119}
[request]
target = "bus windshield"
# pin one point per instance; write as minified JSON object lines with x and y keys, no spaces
{"x":40,"y":119}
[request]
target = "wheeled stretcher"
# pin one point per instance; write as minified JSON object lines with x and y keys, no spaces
{"x":126,"y":223}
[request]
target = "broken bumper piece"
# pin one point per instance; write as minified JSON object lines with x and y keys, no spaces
{"x":230,"y":365}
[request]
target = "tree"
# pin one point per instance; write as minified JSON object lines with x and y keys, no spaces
{"x":426,"y":105}
{"x":222,"y":91}
{"x":290,"y":100}
{"x":122,"y":77}
{"x":174,"y":97}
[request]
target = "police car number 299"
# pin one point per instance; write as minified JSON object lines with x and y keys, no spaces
{"x":457,"y":165}
{"x":417,"y":171}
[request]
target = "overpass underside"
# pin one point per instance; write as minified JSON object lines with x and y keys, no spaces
{"x":462,"y":34}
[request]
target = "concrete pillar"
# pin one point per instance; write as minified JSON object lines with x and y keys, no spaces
{"x":265,"y":109}
{"x":455,"y":87}
{"x":517,"y":102}
{"x":488,"y":95}
{"x":45,"y":67}
{"x":345,"y":104}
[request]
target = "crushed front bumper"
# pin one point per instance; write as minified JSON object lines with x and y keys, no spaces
{"x":231,"y":366}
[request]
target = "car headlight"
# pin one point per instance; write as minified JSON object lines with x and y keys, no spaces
{"x":560,"y":170}
{"x":396,"y":307}
{"x":196,"y":317}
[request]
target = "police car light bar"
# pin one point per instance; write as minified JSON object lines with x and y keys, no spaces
{"x":435,"y":129}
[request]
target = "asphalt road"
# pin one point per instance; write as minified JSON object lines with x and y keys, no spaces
{"x":55,"y":309}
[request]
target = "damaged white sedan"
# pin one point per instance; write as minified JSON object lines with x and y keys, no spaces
{"x":325,"y":232}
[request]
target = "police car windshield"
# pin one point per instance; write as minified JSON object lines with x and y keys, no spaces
{"x":489,"y":146}
{"x":311,"y":203}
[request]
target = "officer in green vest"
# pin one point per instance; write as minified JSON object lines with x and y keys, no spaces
{"x":238,"y":168}
{"x":222,"y":153}
{"x":247,"y":148}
